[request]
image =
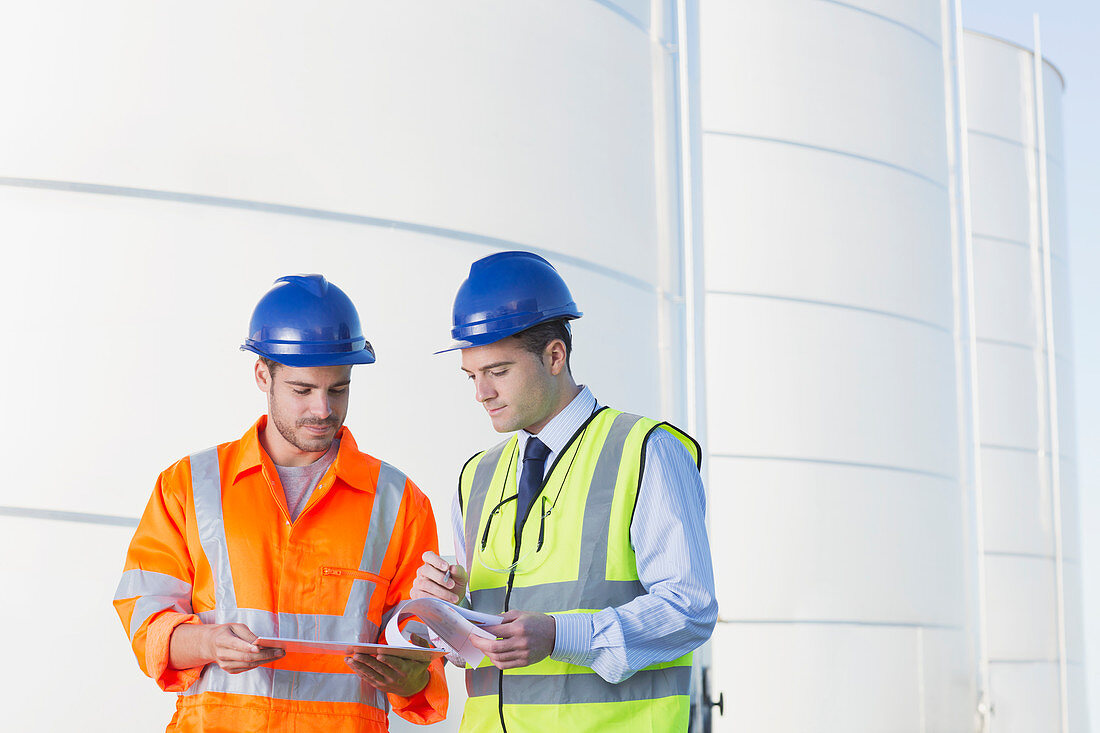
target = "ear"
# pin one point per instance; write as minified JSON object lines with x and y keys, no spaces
{"x":263,"y":377}
{"x":555,"y":356}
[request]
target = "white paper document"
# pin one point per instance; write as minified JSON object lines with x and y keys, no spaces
{"x":454,"y":625}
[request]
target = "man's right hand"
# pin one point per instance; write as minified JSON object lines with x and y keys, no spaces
{"x":430,"y":581}
{"x":230,"y":646}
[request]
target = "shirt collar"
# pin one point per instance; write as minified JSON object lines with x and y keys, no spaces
{"x":354,"y":468}
{"x":556,"y":433}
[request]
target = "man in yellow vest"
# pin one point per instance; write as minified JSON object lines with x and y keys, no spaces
{"x":585,"y":528}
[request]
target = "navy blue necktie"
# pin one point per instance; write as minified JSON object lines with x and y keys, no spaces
{"x":530,"y":479}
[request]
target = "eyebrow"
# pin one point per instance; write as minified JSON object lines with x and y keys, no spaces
{"x":487,"y":367}
{"x":310,"y":385}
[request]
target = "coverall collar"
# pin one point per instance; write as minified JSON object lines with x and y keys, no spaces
{"x":352,"y":467}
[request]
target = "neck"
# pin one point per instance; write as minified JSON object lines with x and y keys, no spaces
{"x":283,"y":453}
{"x":566,"y":394}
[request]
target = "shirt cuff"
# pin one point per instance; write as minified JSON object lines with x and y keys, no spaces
{"x":158,"y":645}
{"x":572,"y":638}
{"x":430,"y":704}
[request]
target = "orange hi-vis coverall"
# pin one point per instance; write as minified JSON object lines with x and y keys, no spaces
{"x":216,"y":545}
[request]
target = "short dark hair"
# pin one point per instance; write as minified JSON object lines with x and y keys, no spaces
{"x":536,"y":338}
{"x":271,"y":365}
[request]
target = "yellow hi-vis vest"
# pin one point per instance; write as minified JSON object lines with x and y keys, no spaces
{"x":573,"y":556}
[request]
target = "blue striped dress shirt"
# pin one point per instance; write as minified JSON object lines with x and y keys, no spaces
{"x":669,"y":534}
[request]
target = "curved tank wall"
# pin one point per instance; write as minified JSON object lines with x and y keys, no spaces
{"x":834,"y":443}
{"x":173,"y":160}
{"x":1032,"y":556}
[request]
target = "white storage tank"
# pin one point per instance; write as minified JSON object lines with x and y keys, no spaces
{"x":167,"y":162}
{"x":837,"y":494}
{"x":885,"y":546}
{"x":1031,"y":560}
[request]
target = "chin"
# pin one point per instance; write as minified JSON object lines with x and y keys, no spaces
{"x":502,"y":425}
{"x":314,"y":445}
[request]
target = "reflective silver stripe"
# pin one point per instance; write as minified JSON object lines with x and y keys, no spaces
{"x":258,"y":681}
{"x":597,"y":521}
{"x":323,"y":627}
{"x":320,"y":627}
{"x":482,"y":681}
{"x":489,"y":600}
{"x":289,"y":685}
{"x":383,"y":519}
{"x":148,"y":605}
{"x":479,"y":489}
{"x":206,"y":487}
{"x":136,"y":583}
{"x":569,"y":595}
{"x":549,"y":595}
{"x":155,"y":592}
{"x":334,"y":687}
{"x":555,"y":689}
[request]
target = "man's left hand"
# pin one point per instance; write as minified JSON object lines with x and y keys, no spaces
{"x":525,"y":638}
{"x":394,"y":675}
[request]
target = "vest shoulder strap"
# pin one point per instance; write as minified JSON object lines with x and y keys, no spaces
{"x":473,"y":485}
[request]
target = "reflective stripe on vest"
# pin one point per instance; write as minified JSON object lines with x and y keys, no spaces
{"x":155,"y":592}
{"x":589,"y":565}
{"x":483,"y":476}
{"x":352,"y":624}
{"x":550,"y":689}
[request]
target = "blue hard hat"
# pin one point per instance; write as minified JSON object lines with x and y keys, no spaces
{"x":305,"y":321}
{"x":506,"y":293}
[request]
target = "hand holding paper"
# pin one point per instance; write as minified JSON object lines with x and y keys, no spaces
{"x":524,"y":639}
{"x":455,"y":626}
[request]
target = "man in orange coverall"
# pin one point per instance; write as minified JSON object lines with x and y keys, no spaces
{"x":292,"y":532}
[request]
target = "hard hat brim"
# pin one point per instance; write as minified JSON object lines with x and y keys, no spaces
{"x":485,"y":338}
{"x":343,"y":358}
{"x":456,"y":345}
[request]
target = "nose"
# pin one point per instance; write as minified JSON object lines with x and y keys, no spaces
{"x":320,"y":406}
{"x":483,"y":389}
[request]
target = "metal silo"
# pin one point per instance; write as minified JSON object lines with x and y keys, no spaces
{"x":167,"y":162}
{"x":886,"y":369}
{"x":1031,"y":561}
{"x":838,"y":493}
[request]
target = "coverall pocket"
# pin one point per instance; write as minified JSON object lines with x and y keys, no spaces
{"x":367,"y":598}
{"x":378,"y":580}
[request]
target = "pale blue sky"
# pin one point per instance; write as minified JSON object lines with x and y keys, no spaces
{"x":1071,"y":41}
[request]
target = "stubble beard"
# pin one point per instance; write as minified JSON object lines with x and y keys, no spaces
{"x":289,"y":431}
